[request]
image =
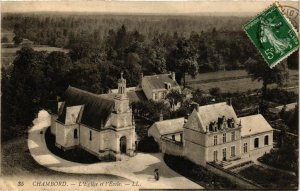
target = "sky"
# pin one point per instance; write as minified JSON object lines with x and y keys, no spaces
{"x":143,"y":7}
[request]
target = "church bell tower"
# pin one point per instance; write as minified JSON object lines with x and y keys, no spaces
{"x":121,"y":99}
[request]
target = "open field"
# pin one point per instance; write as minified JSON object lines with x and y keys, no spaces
{"x":235,"y":81}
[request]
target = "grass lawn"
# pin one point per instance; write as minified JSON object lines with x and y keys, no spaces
{"x":268,"y":178}
{"x":233,"y":81}
{"x":17,"y":161}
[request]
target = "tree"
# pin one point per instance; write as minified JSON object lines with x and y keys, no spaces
{"x":4,"y":39}
{"x":27,"y":85}
{"x":174,"y":97}
{"x":215,"y":91}
{"x":259,"y":70}
{"x":183,"y":60}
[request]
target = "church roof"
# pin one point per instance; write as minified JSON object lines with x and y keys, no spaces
{"x":169,"y":126}
{"x":254,"y":124}
{"x":133,"y":96}
{"x":158,"y":81}
{"x":96,"y":109}
{"x":210,"y":113}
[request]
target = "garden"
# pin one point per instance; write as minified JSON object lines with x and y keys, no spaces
{"x":198,"y":174}
{"x":269,"y":178}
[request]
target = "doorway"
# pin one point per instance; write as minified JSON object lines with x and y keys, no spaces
{"x":123,"y":146}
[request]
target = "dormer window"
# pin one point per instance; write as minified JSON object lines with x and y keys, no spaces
{"x":167,"y":85}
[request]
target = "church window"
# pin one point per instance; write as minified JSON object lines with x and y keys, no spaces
{"x":90,"y":135}
{"x":173,"y":137}
{"x":256,"y":143}
{"x":224,"y":137}
{"x":245,"y":147}
{"x":181,"y":137}
{"x":233,"y":151}
{"x":215,"y":139}
{"x":232,"y":135}
{"x":75,"y":134}
{"x":155,"y":96}
{"x":267,"y":140}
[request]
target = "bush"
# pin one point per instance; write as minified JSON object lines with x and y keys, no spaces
{"x":281,"y":96}
{"x":215,"y":91}
{"x":148,"y":145}
{"x":197,"y":173}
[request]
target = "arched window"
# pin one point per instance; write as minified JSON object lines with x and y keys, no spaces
{"x":256,"y":143}
{"x":75,"y":134}
{"x":90,"y":135}
{"x":267,"y":140}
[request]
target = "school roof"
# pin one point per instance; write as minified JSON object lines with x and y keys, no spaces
{"x":211,"y":113}
{"x":96,"y":109}
{"x":254,"y":124}
{"x":169,"y":126}
{"x":158,"y":81}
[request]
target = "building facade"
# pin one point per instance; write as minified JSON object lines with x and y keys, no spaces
{"x":215,"y":134}
{"x":156,"y":87}
{"x":103,"y":127}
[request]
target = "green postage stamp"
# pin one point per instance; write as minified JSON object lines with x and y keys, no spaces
{"x":273,"y":35}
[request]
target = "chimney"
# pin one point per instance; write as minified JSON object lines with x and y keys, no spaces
{"x":197,"y":107}
{"x":161,"y":117}
{"x":229,"y":102}
{"x":173,"y":76}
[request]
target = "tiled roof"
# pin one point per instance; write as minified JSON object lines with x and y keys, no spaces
{"x":169,"y":126}
{"x":96,"y":109}
{"x":211,"y":113}
{"x":158,"y":81}
{"x":133,"y":96}
{"x":254,"y":124}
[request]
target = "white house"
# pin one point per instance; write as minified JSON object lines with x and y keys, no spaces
{"x":172,"y":129}
{"x":103,"y":127}
{"x":214,"y":133}
{"x":156,"y":87}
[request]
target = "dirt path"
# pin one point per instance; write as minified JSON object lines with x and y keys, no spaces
{"x":138,"y":168}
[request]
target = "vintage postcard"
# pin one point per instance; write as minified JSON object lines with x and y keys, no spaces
{"x":149,"y":95}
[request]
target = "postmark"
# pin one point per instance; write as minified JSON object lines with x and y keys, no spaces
{"x":273,"y":35}
{"x":292,"y":13}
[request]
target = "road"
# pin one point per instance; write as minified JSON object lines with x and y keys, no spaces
{"x":138,"y":168}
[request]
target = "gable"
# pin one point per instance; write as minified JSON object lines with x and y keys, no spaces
{"x":72,"y":114}
{"x":96,"y":109}
{"x":194,"y":123}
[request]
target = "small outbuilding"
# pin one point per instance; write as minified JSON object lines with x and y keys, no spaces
{"x":172,"y":129}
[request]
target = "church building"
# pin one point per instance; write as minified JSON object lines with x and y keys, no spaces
{"x":102,"y":126}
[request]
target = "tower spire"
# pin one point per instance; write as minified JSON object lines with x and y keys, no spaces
{"x":122,"y":85}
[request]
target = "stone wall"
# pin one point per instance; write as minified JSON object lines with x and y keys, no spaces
{"x":234,"y":177}
{"x":171,"y":147}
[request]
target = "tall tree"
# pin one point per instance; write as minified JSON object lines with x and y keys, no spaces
{"x":259,"y":70}
{"x":183,"y":60}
